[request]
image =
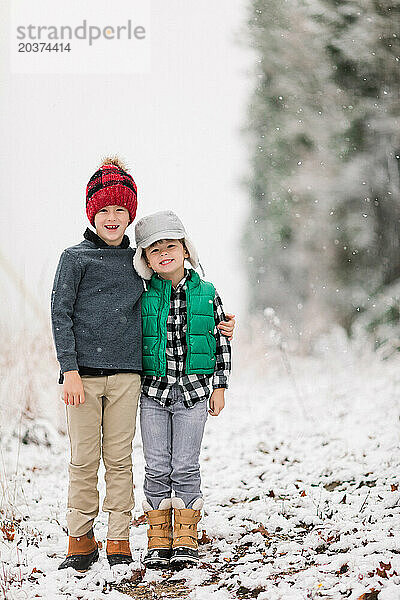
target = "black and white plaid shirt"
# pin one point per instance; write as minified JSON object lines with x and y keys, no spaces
{"x":194,"y":387}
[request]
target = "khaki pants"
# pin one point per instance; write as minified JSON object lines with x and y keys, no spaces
{"x":104,"y":424}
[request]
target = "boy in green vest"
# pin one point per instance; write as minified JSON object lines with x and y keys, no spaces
{"x":186,"y":361}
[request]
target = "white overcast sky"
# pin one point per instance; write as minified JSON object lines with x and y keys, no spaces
{"x":177,"y":126}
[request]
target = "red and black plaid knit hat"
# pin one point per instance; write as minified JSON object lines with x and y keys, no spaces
{"x":110,"y":185}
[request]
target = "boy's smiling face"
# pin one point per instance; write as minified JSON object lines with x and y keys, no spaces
{"x":111,"y":223}
{"x":167,"y":257}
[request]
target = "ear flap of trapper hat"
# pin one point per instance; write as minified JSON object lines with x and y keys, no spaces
{"x":145,"y":272}
{"x":140,"y":265}
{"x":193,"y":256}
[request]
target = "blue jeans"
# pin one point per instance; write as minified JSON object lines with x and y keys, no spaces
{"x":172,"y":438}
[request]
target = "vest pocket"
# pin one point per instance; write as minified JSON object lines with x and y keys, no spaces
{"x":212,"y":342}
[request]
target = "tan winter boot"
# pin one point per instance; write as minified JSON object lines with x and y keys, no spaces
{"x":82,"y":552}
{"x":185,"y":546}
{"x":159,"y":533}
{"x":118,"y":552}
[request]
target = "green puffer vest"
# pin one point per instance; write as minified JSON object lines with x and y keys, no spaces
{"x":201,"y":344}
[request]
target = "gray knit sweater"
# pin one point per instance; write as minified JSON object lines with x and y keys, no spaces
{"x":95,"y":307}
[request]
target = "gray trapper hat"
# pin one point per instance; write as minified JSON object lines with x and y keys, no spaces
{"x":163,"y":225}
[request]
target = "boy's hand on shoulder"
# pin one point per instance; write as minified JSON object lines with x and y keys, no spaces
{"x":217,"y":401}
{"x":73,"y":393}
{"x":227,"y":327}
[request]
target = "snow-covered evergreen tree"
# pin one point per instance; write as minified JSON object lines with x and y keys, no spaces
{"x":323,"y":225}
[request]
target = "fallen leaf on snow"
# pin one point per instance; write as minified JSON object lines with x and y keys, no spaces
{"x":343,"y":569}
{"x":331,"y":486}
{"x":261,"y":529}
{"x":137,"y":574}
{"x":372,"y":595}
{"x":204,"y":538}
{"x":382,"y":573}
{"x":8,"y":531}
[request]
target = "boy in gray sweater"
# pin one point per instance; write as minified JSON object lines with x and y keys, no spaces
{"x":97,"y":333}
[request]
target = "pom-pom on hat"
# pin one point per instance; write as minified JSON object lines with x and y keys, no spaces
{"x":163,"y":225}
{"x":111,"y":185}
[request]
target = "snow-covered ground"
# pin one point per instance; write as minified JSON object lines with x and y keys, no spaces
{"x":301,"y":483}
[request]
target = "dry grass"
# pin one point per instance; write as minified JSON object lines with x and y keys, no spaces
{"x":29,"y":370}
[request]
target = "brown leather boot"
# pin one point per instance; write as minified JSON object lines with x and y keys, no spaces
{"x":185,"y":546}
{"x":159,"y":533}
{"x":118,"y":552}
{"x":82,"y":552}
